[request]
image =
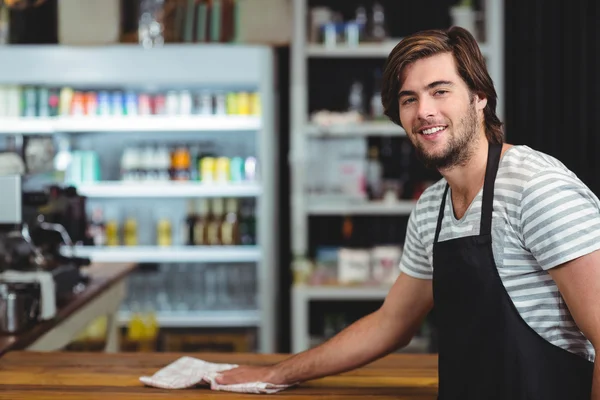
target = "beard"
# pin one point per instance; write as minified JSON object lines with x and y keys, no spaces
{"x":459,"y":148}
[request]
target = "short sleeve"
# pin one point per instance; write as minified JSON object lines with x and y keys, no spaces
{"x":414,"y":261}
{"x":560,"y":218}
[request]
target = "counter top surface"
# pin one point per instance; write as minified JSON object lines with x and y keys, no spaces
{"x":102,"y":276}
{"x":66,"y":376}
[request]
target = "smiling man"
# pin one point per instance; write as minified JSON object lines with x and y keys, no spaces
{"x":505,"y":246}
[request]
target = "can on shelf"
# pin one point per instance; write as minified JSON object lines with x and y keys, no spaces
{"x":172,"y":103}
{"x":220,"y":104}
{"x":185,"y":102}
{"x":4,"y":91}
{"x":103,"y":99}
{"x":78,"y":104}
{"x":66,"y":100}
{"x":29,"y":99}
{"x":91,"y":103}
{"x":159,"y":104}
{"x":205,"y":103}
{"x":117,"y":103}
{"x":131,"y":103}
{"x":43,"y":102}
{"x":232,"y":103}
{"x":255,"y":105}
{"x":237,"y":169}
{"x":222,"y":170}
{"x":144,"y":106}
{"x":53,"y":102}
{"x":207,"y":169}
{"x":243,"y":99}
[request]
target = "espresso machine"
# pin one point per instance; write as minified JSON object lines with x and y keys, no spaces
{"x":35,"y":275}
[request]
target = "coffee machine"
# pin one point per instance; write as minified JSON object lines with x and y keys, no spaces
{"x":30,"y":254}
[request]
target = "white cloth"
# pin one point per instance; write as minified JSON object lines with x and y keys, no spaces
{"x":187,"y":372}
{"x":47,"y":288}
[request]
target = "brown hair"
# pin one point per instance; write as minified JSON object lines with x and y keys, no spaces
{"x":470,"y":64}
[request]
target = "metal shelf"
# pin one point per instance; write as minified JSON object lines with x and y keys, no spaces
{"x":350,"y":130}
{"x":306,"y":292}
{"x":128,"y":189}
{"x":364,"y":50}
{"x":317,"y":206}
{"x":204,"y":319}
{"x":191,"y":254}
{"x":26,"y":125}
{"x":152,"y":123}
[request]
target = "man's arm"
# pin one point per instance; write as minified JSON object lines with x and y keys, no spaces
{"x":373,"y":336}
{"x":579,"y":283}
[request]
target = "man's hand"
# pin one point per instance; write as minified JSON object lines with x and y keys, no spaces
{"x":369,"y":338}
{"x":247,"y":374}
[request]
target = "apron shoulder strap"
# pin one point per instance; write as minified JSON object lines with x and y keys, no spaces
{"x":441,"y":215}
{"x":487,"y":202}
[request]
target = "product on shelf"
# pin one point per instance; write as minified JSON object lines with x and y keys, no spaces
{"x":192,"y":288}
{"x":208,"y":222}
{"x":41,"y":101}
{"x":328,"y":27}
{"x":148,"y":162}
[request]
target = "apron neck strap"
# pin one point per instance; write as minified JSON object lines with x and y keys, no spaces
{"x":491,"y":170}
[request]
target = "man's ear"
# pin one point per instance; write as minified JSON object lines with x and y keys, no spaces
{"x":480,"y":101}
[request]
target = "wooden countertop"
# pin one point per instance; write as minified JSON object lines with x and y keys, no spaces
{"x":66,"y":376}
{"x":102,"y":276}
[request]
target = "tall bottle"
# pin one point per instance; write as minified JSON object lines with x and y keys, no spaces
{"x":230,"y":225}
{"x":374,"y":175}
{"x":216,"y":220}
{"x":190,"y":224}
{"x":202,"y":221}
{"x":247,"y":223}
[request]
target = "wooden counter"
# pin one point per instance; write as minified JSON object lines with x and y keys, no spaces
{"x":66,"y":376}
{"x":103,"y":278}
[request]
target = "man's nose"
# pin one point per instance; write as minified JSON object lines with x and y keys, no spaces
{"x":426,"y":108}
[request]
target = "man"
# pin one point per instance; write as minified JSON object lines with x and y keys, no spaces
{"x":505,"y":245}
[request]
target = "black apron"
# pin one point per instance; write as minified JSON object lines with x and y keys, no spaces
{"x":486,"y":350}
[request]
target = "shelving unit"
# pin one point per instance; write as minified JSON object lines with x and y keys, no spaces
{"x":150,"y":189}
{"x":303,"y":204}
{"x":328,"y":207}
{"x":129,"y":124}
{"x":169,"y":67}
{"x":206,"y":319}
{"x":353,"y":130}
{"x":170,"y":254}
{"x":303,"y":294}
{"x":368,"y":50}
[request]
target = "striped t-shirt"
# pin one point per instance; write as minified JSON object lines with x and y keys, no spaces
{"x":543,"y":216}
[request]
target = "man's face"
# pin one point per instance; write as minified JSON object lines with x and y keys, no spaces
{"x":440,"y":115}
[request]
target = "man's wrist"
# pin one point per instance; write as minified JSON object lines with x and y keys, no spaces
{"x":276,"y":376}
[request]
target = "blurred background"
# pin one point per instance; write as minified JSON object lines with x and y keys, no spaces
{"x":236,"y":151}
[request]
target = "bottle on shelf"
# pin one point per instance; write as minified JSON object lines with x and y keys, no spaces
{"x":247,"y":223}
{"x":230,"y":225}
{"x":356,"y":98}
{"x":191,"y":220}
{"x":215,"y":222}
{"x":130,"y":231}
{"x":164,"y":232}
{"x":377,"y":112}
{"x":97,"y":229}
{"x":112,"y":232}
{"x":374,"y":175}
{"x":202,"y":221}
{"x":181,"y":163}
{"x":378,"y":29}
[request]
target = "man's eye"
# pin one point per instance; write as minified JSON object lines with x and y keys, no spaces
{"x":441,"y":92}
{"x":408,"y":101}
